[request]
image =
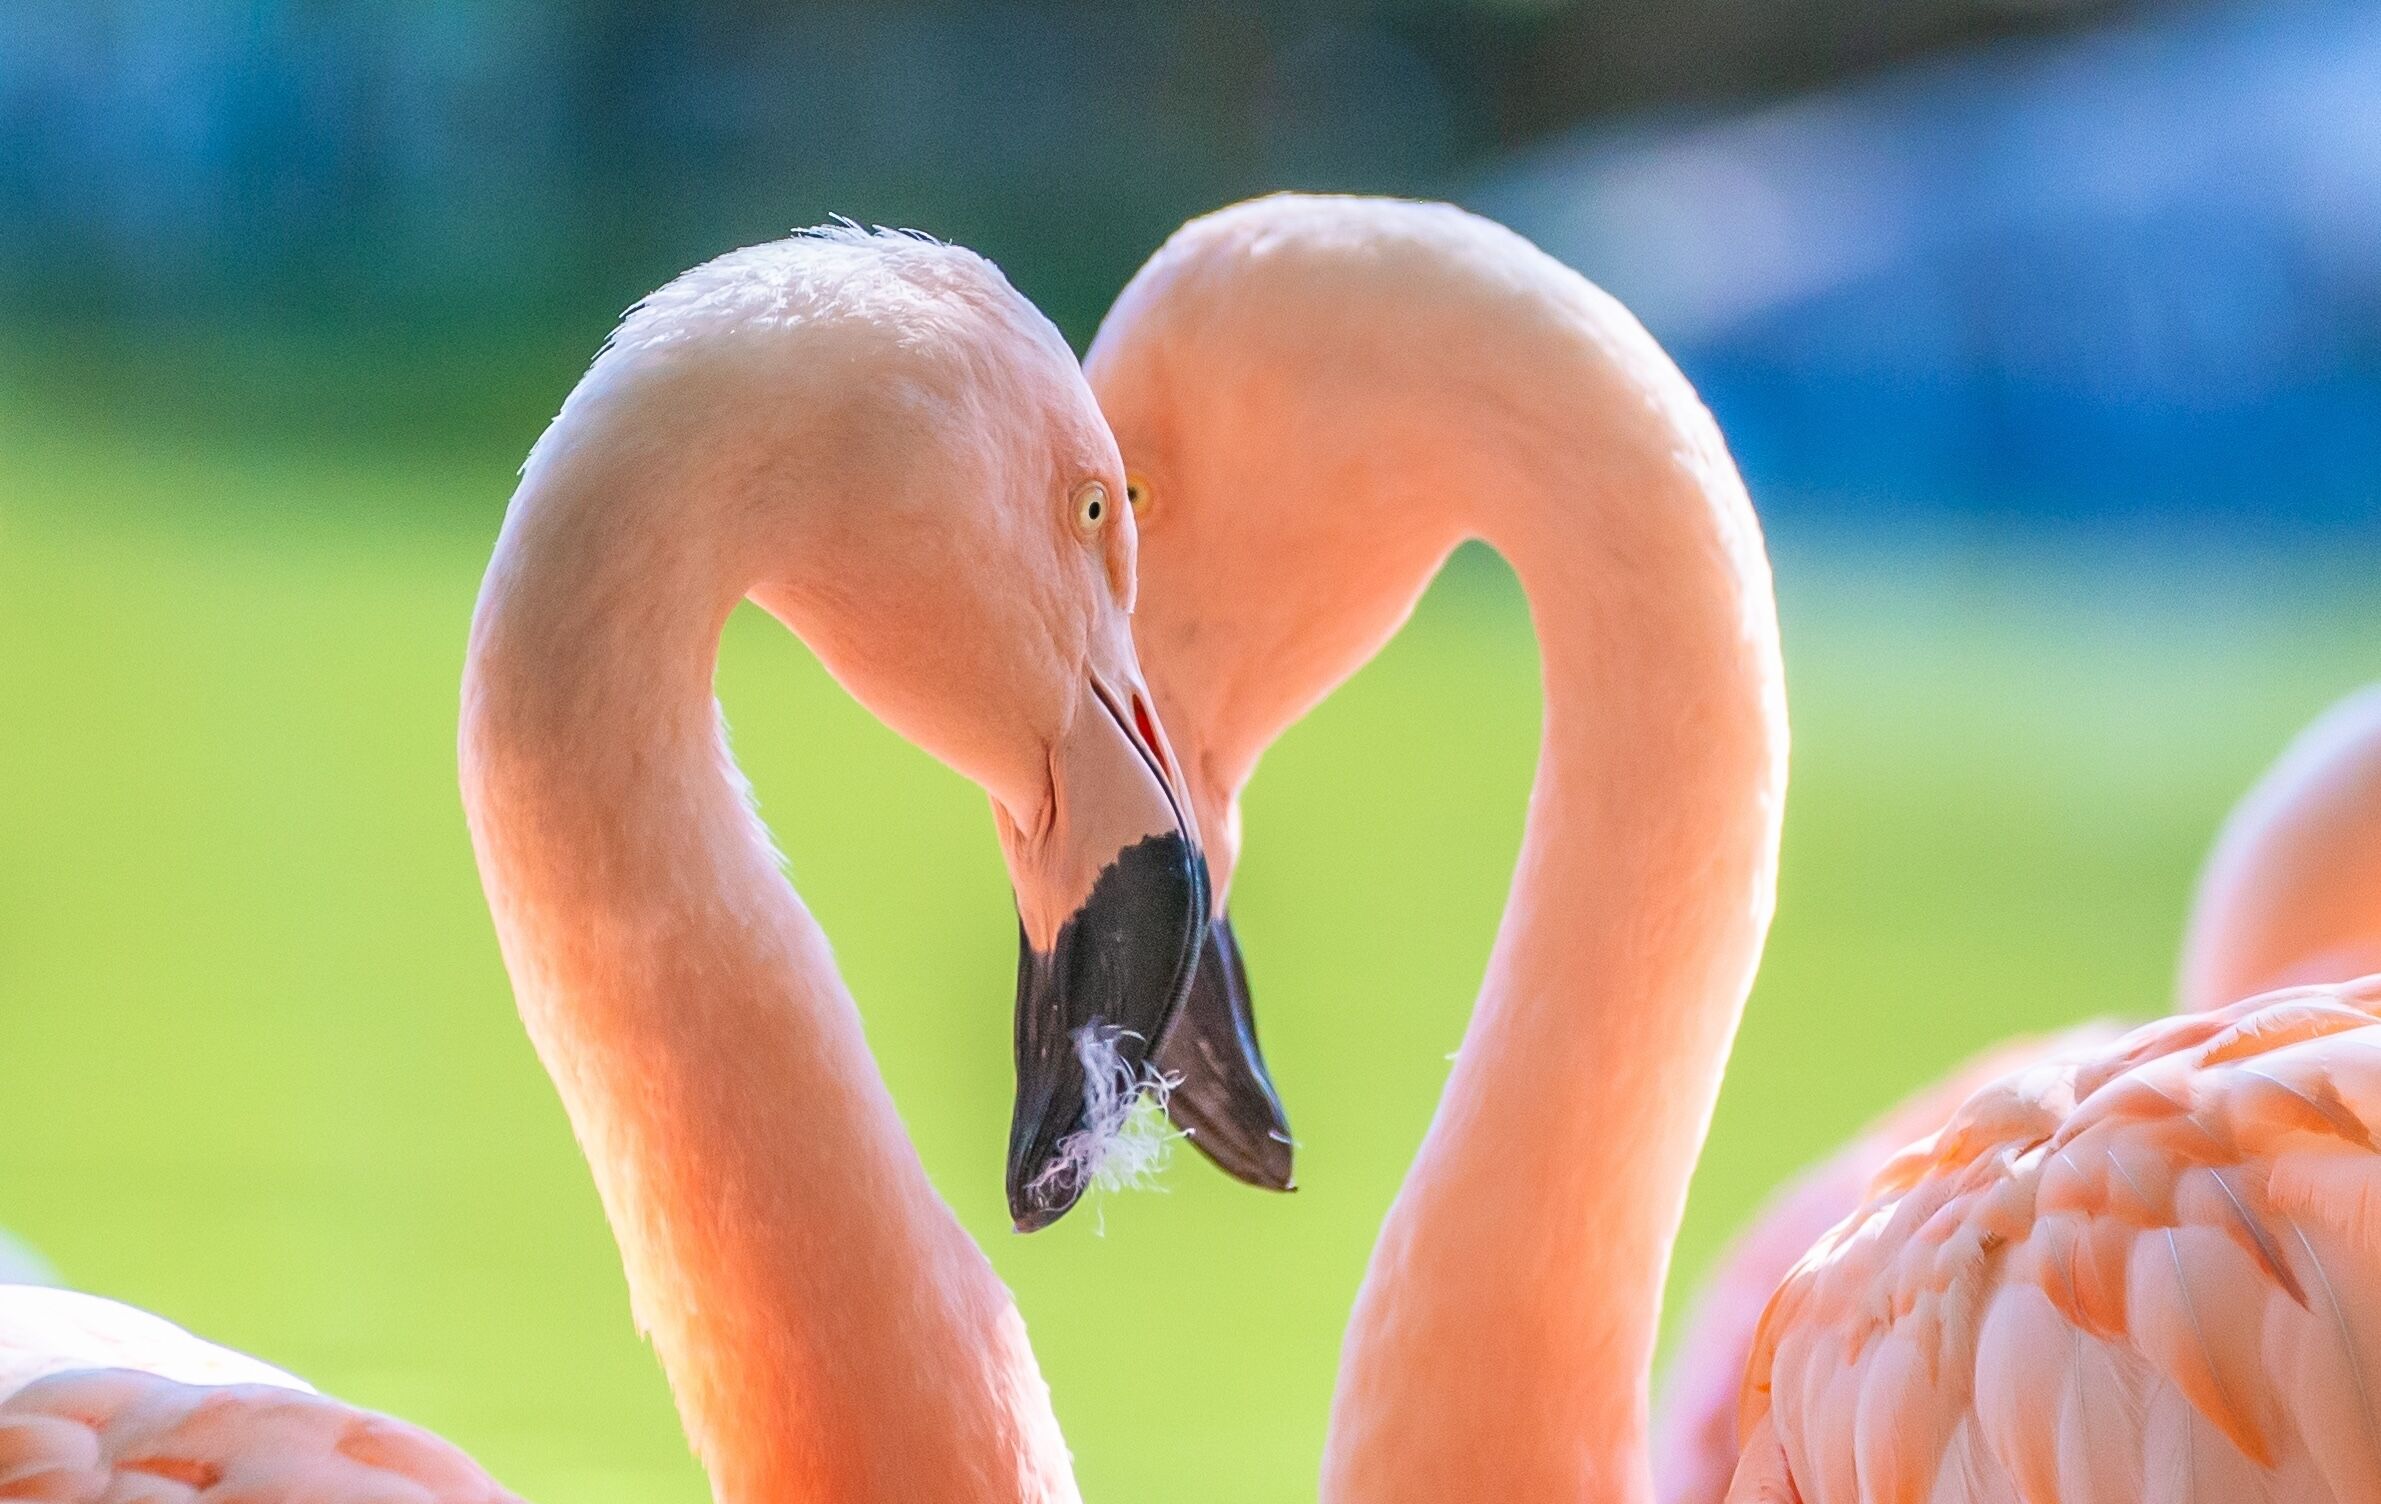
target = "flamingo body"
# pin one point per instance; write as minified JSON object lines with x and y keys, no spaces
{"x":874,"y":436}
{"x":1695,"y":1441}
{"x":101,"y":1403}
{"x":2135,"y":1271}
{"x":2291,"y":893}
{"x":2142,"y":1271}
{"x":1319,"y":399}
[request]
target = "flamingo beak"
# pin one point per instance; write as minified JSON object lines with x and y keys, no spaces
{"x":1112,"y":916}
{"x":1223,"y":1098}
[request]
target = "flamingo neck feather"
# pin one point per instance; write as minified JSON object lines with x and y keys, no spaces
{"x":2288,"y":894}
{"x":1502,"y":1342}
{"x":828,"y":1328}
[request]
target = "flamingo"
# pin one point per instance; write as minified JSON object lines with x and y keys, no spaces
{"x":2291,"y":893}
{"x":876,"y":438}
{"x":1317,"y":398}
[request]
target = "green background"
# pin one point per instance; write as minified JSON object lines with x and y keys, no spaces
{"x":259,"y":1068}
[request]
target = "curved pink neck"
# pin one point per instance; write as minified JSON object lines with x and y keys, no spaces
{"x":2292,"y":892}
{"x":828,"y":1328}
{"x":1501,"y":1344}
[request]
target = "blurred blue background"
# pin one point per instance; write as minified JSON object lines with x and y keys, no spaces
{"x":2049,"y":335}
{"x":2125,"y":263}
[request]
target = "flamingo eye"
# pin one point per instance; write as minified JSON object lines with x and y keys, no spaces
{"x":1136,"y":495}
{"x":1091,"y":508}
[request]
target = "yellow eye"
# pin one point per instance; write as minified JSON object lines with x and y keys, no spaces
{"x":1091,"y":507}
{"x":1136,"y":494}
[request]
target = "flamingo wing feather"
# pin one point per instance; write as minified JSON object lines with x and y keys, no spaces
{"x":1695,"y":1442}
{"x":2140,"y":1270}
{"x":101,"y":1403}
{"x":113,"y":1436}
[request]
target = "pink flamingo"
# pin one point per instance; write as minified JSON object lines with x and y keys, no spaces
{"x":1317,"y":399}
{"x":2291,"y":893}
{"x":881,"y":442}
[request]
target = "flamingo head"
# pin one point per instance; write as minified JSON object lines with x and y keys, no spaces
{"x":906,"y":467}
{"x":1276,"y":380}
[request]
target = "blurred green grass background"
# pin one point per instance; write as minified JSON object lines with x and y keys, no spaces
{"x":259,"y":1069}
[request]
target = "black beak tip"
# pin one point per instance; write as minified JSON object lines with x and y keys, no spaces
{"x":1289,"y":1181}
{"x":1110,"y":983}
{"x":1034,"y":1219}
{"x":1274,"y":1165}
{"x":1265,"y":1159}
{"x":1040,"y":1188}
{"x":1223,"y":1097}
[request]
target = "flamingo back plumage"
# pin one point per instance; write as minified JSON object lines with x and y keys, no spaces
{"x":1695,"y":1443}
{"x":2138,"y":1271}
{"x":104,"y":1404}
